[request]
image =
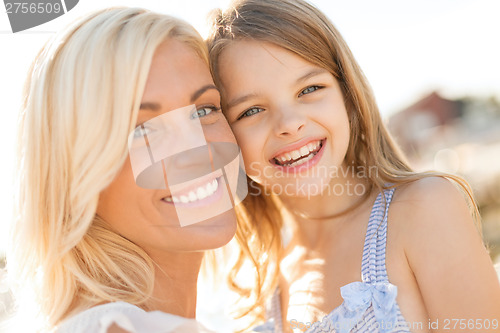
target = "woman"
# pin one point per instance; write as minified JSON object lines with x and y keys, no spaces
{"x":117,"y":202}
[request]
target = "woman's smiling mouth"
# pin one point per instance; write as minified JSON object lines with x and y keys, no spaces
{"x":196,"y":196}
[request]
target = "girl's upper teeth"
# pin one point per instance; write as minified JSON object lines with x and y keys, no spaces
{"x":285,"y":157}
{"x":197,"y":194}
{"x":298,"y":153}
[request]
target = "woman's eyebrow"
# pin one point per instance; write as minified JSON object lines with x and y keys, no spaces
{"x":202,"y":90}
{"x":156,"y":106}
{"x":150,"y":106}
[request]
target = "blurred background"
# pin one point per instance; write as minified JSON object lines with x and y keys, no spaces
{"x":433,"y":65}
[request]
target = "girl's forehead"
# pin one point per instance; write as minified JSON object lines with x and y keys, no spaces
{"x":260,"y":54}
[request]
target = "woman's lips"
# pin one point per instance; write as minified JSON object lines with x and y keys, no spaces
{"x":200,"y":195}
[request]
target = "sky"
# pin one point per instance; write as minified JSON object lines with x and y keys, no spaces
{"x":405,"y":48}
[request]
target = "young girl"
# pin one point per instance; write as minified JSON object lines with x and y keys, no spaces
{"x":102,"y":243}
{"x":374,"y":246}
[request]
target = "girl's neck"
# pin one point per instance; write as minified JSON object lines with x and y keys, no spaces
{"x":314,"y":218}
{"x":176,"y":277}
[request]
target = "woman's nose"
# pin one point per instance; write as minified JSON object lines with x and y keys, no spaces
{"x":199,"y":158}
{"x":188,"y":165}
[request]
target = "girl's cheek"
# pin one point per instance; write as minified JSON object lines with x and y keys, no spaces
{"x":243,"y":135}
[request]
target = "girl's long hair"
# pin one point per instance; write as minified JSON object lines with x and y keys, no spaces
{"x":80,"y":102}
{"x":302,"y":29}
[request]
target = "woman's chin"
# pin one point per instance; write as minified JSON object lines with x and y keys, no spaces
{"x":214,"y":232}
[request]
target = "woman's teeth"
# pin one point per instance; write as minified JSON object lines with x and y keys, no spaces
{"x":199,"y":193}
{"x":298,"y":156}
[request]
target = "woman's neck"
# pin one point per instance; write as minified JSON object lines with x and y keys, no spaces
{"x":175,"y":288}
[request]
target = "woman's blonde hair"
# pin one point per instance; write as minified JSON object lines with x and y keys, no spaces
{"x":81,"y":101}
{"x":302,"y":29}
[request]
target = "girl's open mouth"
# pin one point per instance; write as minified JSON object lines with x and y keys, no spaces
{"x":301,"y":158}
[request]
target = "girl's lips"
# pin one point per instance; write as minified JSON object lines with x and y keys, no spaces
{"x":296,"y":145}
{"x":310,"y":161}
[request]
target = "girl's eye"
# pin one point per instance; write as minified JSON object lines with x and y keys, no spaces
{"x":309,"y":90}
{"x":204,"y":111}
{"x":250,"y":112}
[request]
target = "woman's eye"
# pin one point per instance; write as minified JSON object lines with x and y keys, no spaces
{"x":309,"y":90}
{"x":204,"y":111}
{"x":250,"y":112}
{"x":142,"y":130}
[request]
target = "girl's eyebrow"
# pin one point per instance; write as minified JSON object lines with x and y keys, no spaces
{"x":311,"y":73}
{"x":301,"y":79}
{"x":239,"y":100}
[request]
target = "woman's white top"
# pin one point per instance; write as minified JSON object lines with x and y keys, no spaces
{"x":130,"y":318}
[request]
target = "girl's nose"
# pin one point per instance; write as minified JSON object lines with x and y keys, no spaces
{"x":289,"y":122}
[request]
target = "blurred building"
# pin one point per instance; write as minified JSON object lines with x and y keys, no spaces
{"x":459,"y":136}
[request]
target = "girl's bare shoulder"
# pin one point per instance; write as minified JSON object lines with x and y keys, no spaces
{"x":430,"y":208}
{"x":427,"y":190}
{"x":429,"y":197}
{"x":433,"y":226}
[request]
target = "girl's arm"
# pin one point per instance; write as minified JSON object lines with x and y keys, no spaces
{"x":454,"y":272}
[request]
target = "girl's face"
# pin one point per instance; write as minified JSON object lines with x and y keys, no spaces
{"x":178,"y":77}
{"x":288,"y":117}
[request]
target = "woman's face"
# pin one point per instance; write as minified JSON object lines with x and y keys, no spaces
{"x":288,"y":116}
{"x":149,"y":217}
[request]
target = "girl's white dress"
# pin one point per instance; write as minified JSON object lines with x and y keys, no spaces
{"x":129,"y":317}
